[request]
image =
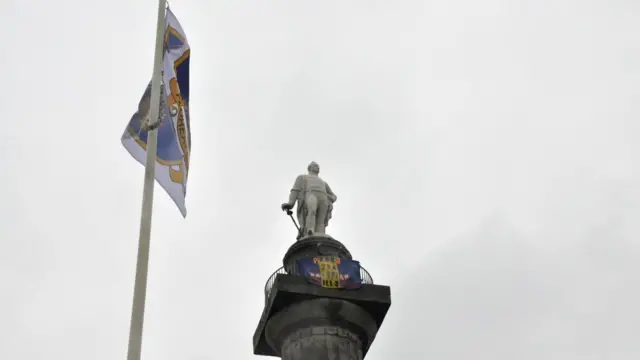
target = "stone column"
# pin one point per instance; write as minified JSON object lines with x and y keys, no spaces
{"x":322,"y":343}
{"x":321,"y":329}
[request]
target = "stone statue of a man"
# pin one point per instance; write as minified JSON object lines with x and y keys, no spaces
{"x":315,"y":201}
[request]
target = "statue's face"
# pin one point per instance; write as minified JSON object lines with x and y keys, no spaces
{"x":315,"y":168}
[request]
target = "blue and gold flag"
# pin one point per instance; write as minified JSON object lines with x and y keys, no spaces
{"x":331,"y":272}
{"x":174,"y":131}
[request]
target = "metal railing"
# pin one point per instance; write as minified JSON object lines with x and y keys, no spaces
{"x":364,"y":275}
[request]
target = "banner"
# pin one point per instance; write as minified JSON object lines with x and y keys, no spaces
{"x":331,"y":272}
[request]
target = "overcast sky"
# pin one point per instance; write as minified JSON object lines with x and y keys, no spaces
{"x":484,"y":154}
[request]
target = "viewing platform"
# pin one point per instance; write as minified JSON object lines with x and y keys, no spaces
{"x":364,"y":275}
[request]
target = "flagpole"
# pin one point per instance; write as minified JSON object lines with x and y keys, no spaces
{"x":142,"y":266}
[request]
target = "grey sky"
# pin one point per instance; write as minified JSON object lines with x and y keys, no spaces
{"x":484,"y":154}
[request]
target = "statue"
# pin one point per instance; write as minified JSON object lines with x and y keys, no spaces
{"x":315,"y":202}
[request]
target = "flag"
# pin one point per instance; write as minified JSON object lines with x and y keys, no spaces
{"x":331,"y":272}
{"x":174,"y":132}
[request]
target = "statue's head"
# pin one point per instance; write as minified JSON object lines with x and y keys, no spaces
{"x":314,"y":168}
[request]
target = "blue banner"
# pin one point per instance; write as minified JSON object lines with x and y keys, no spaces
{"x":331,"y":272}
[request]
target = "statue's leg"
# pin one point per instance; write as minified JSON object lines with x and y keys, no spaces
{"x":321,"y":214}
{"x":311,"y":202}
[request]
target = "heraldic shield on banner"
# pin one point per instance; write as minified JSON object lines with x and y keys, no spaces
{"x":331,"y":272}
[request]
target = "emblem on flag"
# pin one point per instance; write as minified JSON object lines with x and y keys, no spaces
{"x":331,"y":272}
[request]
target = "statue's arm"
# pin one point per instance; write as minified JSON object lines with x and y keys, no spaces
{"x":296,"y":189}
{"x":331,"y":195}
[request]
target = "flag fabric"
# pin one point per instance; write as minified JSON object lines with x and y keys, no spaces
{"x":174,"y":131}
{"x":331,"y":272}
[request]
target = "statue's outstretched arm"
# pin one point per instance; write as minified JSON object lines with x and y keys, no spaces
{"x":332,"y":197}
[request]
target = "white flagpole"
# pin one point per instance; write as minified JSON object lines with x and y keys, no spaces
{"x":142,"y":266}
